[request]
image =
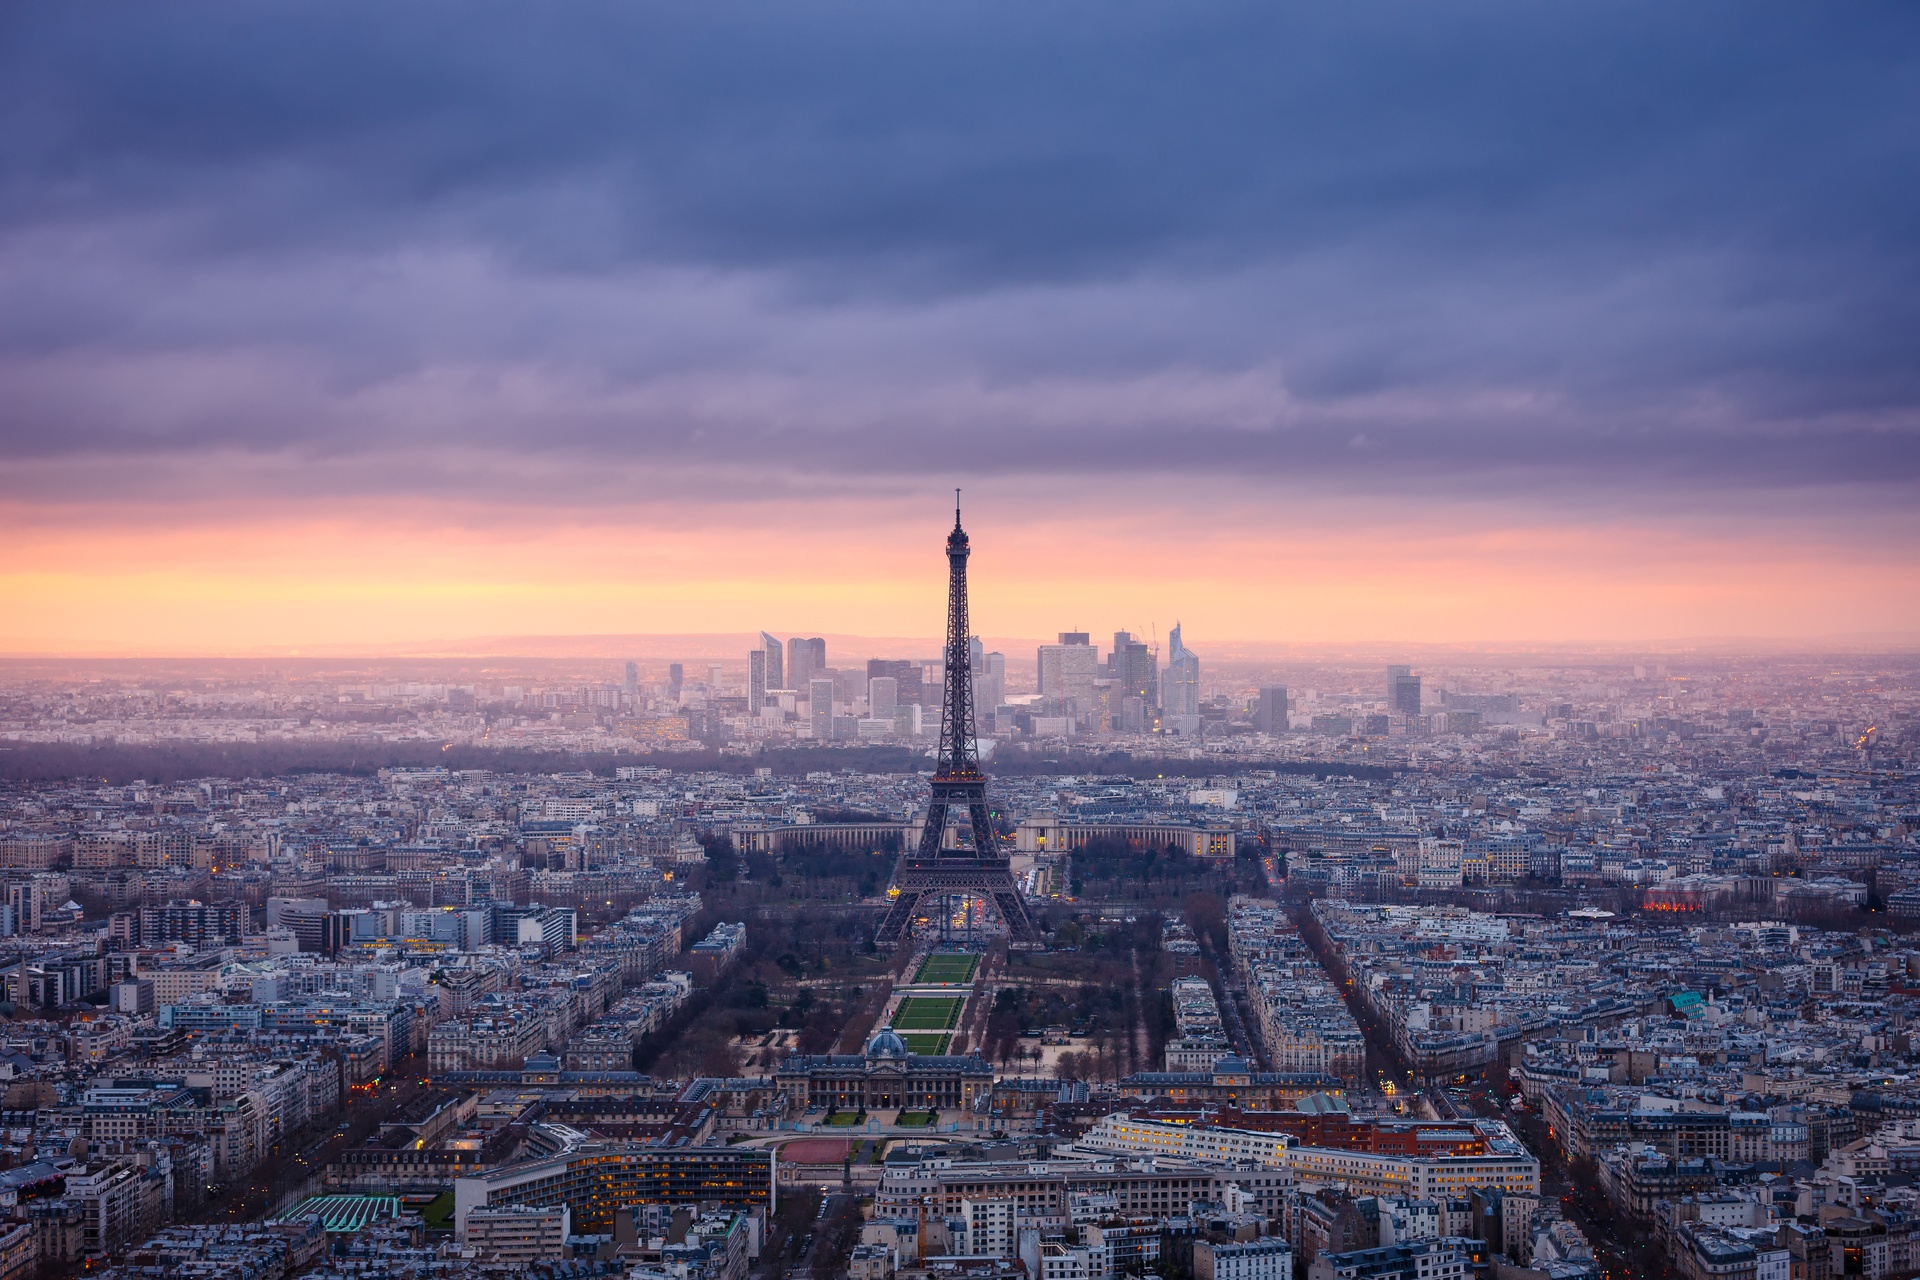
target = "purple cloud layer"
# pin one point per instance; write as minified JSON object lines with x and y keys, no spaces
{"x":1592,"y":244}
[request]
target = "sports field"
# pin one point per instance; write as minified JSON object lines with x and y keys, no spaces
{"x":818,"y":1150}
{"x":928,"y":1013}
{"x":946,"y":967}
{"x":927,"y":1042}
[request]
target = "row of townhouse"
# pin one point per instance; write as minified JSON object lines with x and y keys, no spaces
{"x":1493,"y":1158}
{"x":1303,"y":1024}
{"x":236,"y":1129}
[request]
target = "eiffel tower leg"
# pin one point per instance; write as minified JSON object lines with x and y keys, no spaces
{"x":893,"y":930}
{"x":899,"y":918}
{"x":1020,"y":925}
{"x":1006,"y":895}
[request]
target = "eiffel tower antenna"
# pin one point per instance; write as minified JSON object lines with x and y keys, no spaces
{"x":928,"y":873}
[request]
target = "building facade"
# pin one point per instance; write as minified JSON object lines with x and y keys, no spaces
{"x":885,"y":1076}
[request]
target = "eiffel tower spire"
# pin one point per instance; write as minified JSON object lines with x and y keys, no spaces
{"x":929,"y":872}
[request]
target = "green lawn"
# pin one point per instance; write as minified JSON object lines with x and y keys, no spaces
{"x":915,"y":1119}
{"x":947,"y":967}
{"x":439,"y":1214}
{"x":845,"y":1119}
{"x":926,"y":1042}
{"x":928,"y":1013}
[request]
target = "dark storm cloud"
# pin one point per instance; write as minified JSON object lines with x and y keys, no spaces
{"x":1598,"y":244}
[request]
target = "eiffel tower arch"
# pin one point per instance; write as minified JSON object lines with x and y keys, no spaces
{"x":929,"y":872}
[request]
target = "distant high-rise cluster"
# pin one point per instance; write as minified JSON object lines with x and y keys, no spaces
{"x":1127,"y":693}
{"x":790,"y":689}
{"x":1076,"y":688}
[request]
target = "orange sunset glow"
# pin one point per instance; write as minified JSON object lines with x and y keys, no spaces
{"x":266,"y":583}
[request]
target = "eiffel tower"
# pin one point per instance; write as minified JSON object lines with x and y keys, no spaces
{"x":930,"y":872}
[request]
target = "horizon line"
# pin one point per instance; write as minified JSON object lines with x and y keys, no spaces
{"x":587,"y":645}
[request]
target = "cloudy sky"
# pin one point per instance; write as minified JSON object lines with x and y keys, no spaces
{"x":337,"y":322}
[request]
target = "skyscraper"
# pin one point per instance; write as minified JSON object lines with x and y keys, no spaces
{"x":757,"y":678}
{"x":1067,"y":673}
{"x":820,"y":709}
{"x":883,"y":696}
{"x":1271,"y":715}
{"x":989,"y":683}
{"x":676,"y":678}
{"x":799,"y":662}
{"x":1132,"y":668}
{"x":775,"y":669}
{"x":806,"y":659}
{"x":906,"y":676}
{"x":1180,"y":693}
{"x":1403,"y":692}
{"x":633,"y":677}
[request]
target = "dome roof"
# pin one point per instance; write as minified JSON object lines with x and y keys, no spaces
{"x":886,"y":1043}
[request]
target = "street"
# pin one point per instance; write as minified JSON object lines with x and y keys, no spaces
{"x":290,"y":1165}
{"x":811,"y":1236}
{"x":1485,"y":1094}
{"x":1586,"y":1206}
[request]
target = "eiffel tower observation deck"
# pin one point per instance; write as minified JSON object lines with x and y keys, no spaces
{"x":978,"y":868}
